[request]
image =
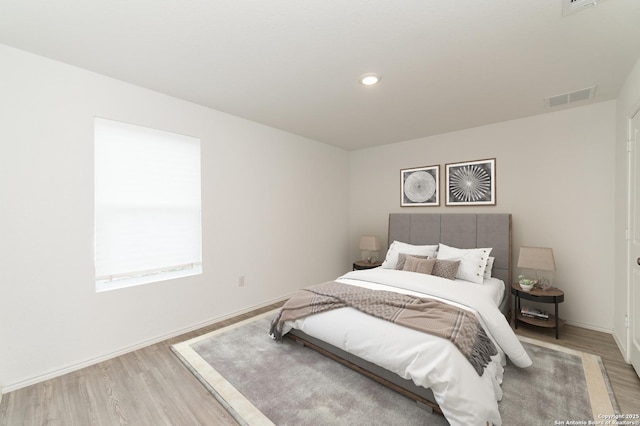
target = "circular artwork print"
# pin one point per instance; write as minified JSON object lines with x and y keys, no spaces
{"x":470,"y":183}
{"x":419,"y":187}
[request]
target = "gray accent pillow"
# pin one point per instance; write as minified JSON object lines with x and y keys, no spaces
{"x":402,"y":258}
{"x":422,"y":266}
{"x":446,"y":268}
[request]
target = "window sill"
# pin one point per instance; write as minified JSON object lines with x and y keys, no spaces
{"x":104,"y":285}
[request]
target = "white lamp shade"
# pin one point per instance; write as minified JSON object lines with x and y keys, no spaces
{"x":540,"y":258}
{"x":369,"y":243}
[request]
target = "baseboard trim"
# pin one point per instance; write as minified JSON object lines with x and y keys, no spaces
{"x":621,"y":348}
{"x":89,"y":362}
{"x":589,"y":326}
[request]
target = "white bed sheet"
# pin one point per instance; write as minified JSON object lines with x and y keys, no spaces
{"x":493,"y":286}
{"x":432,"y":362}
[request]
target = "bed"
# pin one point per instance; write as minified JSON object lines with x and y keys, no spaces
{"x":427,"y":368}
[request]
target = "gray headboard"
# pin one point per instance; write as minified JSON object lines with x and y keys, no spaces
{"x":462,"y":231}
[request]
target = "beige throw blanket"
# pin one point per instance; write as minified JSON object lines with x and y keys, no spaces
{"x":429,"y":316}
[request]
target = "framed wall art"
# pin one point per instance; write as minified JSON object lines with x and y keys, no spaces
{"x":472,"y":183}
{"x":420,"y":186}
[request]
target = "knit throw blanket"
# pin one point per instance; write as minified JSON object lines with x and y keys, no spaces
{"x":429,"y":316}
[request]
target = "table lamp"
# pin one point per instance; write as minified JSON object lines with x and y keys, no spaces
{"x":539,"y":259}
{"x":369,"y":245}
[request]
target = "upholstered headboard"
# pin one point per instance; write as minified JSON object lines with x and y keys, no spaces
{"x":462,"y":231}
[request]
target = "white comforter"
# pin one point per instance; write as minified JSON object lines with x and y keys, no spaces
{"x":432,"y":362}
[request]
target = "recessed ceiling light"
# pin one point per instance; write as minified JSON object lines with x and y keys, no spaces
{"x":369,"y":79}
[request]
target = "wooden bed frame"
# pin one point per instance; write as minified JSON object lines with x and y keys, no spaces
{"x":456,"y":230}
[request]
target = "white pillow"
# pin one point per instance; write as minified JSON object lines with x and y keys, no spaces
{"x":473,"y":262}
{"x":487,"y":271}
{"x":397,"y":247}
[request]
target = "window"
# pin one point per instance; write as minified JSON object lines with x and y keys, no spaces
{"x":147,"y":205}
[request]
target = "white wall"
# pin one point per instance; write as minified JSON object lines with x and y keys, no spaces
{"x":273,"y":210}
{"x":628,"y":103}
{"x":555,"y":175}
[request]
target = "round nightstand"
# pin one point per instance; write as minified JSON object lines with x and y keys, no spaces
{"x":552,"y":295}
{"x":362,"y":264}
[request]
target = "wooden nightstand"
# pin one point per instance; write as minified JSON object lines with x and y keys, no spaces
{"x":362,"y":264}
{"x":552,"y":295}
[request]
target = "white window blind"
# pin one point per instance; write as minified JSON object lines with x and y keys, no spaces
{"x":147,"y":205}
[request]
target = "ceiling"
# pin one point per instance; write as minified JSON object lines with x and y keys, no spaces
{"x":294,"y":65}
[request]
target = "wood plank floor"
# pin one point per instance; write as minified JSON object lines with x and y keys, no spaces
{"x":151,"y":386}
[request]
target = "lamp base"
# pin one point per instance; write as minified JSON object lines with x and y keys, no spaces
{"x":543,"y":284}
{"x":370,"y":256}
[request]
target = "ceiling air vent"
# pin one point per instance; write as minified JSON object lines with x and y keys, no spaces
{"x":573,"y":6}
{"x":567,"y":98}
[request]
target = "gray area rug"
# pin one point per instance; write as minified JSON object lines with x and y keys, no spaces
{"x":262,"y":382}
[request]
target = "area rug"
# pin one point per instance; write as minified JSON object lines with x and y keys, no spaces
{"x":261,"y":382}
